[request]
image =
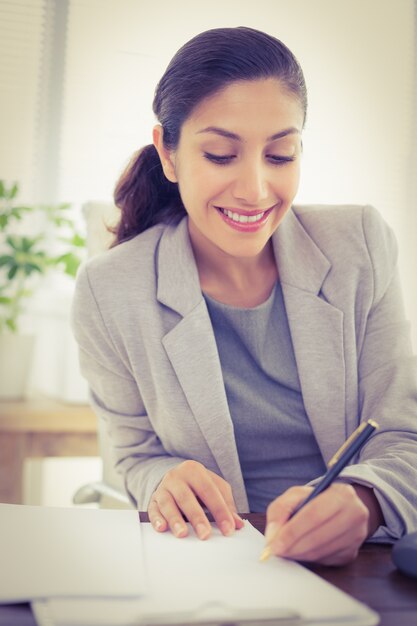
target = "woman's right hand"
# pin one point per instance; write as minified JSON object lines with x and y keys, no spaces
{"x":180,"y":494}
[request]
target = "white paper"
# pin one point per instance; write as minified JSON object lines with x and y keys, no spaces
{"x":47,"y":552}
{"x":221,"y":579}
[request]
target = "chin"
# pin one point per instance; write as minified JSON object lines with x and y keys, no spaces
{"x":245,"y":250}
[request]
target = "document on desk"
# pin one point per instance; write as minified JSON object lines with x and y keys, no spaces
{"x":211,"y":582}
{"x":58,"y":552}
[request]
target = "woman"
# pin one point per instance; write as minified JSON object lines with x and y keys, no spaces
{"x":232,"y":340}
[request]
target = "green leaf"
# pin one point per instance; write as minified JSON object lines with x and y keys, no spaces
{"x":4,"y":300}
{"x":13,"y":242}
{"x":27,"y":244}
{"x":29,"y":268}
{"x":13,"y":191}
{"x":79,"y":241}
{"x":62,"y":221}
{"x":6,"y":259}
{"x":18,"y":210}
{"x":12,"y":272}
{"x":71,"y":263}
{"x":12,"y":325}
{"x":2,"y":189}
{"x":64,"y":206}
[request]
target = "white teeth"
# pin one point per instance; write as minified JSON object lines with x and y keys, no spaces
{"x":242,"y":219}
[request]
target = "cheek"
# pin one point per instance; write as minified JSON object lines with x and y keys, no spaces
{"x":195,"y":187}
{"x":289,"y":183}
{"x":203,"y":180}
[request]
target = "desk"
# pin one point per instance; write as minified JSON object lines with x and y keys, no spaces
{"x":371,"y":578}
{"x":40,"y":428}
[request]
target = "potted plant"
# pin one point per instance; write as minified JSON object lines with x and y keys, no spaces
{"x":34,"y":241}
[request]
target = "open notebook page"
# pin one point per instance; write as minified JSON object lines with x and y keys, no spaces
{"x":218,"y":579}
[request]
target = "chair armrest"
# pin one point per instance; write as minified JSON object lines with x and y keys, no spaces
{"x":93,"y":492}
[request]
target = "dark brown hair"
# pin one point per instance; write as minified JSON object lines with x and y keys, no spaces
{"x":203,"y":66}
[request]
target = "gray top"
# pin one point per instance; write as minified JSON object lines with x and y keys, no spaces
{"x":274,"y":438}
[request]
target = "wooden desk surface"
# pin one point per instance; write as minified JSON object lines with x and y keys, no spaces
{"x":371,"y":578}
{"x":37,"y":428}
{"x":46,"y":415}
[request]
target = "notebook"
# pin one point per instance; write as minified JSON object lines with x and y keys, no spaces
{"x":218,"y":581}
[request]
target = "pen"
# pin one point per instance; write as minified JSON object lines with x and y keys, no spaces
{"x":335,"y":466}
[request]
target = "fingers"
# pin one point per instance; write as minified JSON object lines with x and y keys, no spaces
{"x":280,"y":511}
{"x":328,"y":530}
{"x":183,"y":492}
{"x":166,"y":511}
{"x":227,"y":496}
{"x":239,"y":522}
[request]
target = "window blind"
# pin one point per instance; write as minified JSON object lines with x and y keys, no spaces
{"x":29,"y":85}
{"x":21,"y":40}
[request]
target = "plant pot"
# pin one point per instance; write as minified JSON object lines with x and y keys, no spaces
{"x":16,"y":352}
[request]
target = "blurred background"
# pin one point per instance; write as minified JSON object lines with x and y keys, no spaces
{"x":77,"y":79}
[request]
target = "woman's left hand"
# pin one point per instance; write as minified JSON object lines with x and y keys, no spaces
{"x":328,"y":530}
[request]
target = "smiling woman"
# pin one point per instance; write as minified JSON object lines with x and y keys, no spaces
{"x":237,"y":166}
{"x":231,"y":338}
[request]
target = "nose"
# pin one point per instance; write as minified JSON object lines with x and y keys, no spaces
{"x":251,"y":184}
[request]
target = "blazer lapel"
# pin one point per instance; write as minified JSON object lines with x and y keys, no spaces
{"x":192,"y":350}
{"x":316,"y":330}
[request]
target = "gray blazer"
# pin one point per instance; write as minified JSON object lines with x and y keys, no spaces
{"x":148,"y":351}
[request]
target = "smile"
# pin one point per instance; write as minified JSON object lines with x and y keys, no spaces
{"x":242,"y":219}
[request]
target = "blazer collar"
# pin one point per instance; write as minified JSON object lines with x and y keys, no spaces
{"x":178,"y":280}
{"x":300,"y":261}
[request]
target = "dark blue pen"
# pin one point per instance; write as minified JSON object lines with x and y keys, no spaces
{"x":341,"y":459}
{"x":335,"y":465}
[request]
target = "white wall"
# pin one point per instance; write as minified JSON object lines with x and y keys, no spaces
{"x":359,"y":142}
{"x":357,"y":57}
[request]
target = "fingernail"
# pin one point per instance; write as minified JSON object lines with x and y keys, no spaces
{"x":202,"y":531}
{"x":178,"y":529}
{"x":158,"y":523}
{"x":271,"y":531}
{"x":226,"y":528}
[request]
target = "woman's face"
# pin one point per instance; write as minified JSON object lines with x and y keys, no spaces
{"x":237,"y":165}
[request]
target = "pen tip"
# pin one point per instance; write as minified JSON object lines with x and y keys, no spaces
{"x":265,"y":554}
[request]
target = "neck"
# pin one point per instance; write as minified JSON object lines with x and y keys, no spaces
{"x":240,"y":281}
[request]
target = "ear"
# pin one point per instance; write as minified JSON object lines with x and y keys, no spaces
{"x":166,"y":156}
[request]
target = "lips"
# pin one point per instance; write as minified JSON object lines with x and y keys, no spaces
{"x":244,"y":217}
{"x":244,"y":221}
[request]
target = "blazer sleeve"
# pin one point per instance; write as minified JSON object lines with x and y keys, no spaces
{"x":387,"y":375}
{"x":138,"y":453}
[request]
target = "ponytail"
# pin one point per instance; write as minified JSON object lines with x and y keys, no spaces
{"x":145,"y":196}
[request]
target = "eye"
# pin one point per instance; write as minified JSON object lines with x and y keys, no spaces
{"x":219,"y":159}
{"x":279,"y":160}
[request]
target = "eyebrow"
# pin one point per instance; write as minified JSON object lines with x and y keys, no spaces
{"x":229,"y":135}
